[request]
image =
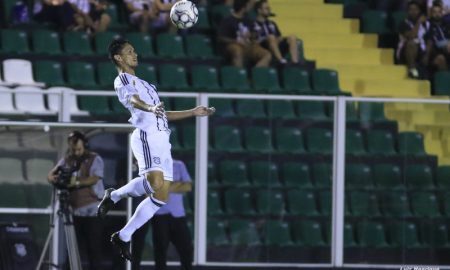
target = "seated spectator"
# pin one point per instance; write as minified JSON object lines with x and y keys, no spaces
{"x":269,"y":36}
{"x":438,"y":40}
{"x":411,"y":44}
{"x":90,"y":15}
{"x":445,"y":4}
{"x":236,"y":41}
{"x":57,"y":12}
{"x":151,"y":15}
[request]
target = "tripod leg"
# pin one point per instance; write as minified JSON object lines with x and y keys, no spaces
{"x":44,"y":249}
{"x":72,"y":245}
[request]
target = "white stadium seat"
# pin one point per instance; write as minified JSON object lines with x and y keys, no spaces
{"x":19,"y":72}
{"x":7,"y":102}
{"x":31,"y":100}
{"x":11,"y":169}
{"x":37,"y":169}
{"x":54,"y":100}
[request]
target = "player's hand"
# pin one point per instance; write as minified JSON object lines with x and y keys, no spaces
{"x":158,"y":109}
{"x":203,"y":111}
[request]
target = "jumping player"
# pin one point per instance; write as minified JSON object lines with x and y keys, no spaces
{"x":149,"y":143}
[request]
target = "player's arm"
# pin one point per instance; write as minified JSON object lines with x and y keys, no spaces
{"x":180,"y":187}
{"x":197,"y":111}
{"x":137,"y":103}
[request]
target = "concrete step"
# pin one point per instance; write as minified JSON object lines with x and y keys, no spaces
{"x":351,"y":56}
{"x":377,"y":72}
{"x":305,"y":10}
{"x":299,"y":26}
{"x":377,"y":88}
{"x":339,"y":41}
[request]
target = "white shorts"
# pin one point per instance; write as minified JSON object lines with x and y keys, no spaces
{"x":152,"y":152}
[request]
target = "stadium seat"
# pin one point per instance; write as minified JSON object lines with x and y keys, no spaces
{"x":19,"y":71}
{"x":308,"y":233}
{"x":106,"y":74}
{"x":77,"y":43}
{"x":216,"y":233}
{"x":411,"y":143}
{"x":13,"y":195}
{"x":434,"y":234}
{"x":258,"y":139}
{"x":234,"y":79}
{"x":173,"y":77}
{"x":265,"y":80}
{"x":380,"y":142}
{"x":147,"y":73}
{"x":319,"y":140}
{"x":419,"y":177}
{"x":349,"y":235}
{"x":224,"y":107}
{"x":214,"y":207}
{"x":117,"y":108}
{"x":371,"y":234}
{"x":46,"y":42}
{"x":81,"y":75}
{"x":364,"y":204}
{"x":397,"y":18}
{"x":264,"y":174}
{"x":374,"y":21}
{"x":205,"y":78}
{"x":311,"y":110}
{"x":49,"y":72}
{"x":302,"y":203}
{"x":425,"y":204}
{"x":443,"y":176}
{"x":296,"y":81}
{"x":102,"y":41}
{"x":142,"y":43}
{"x":280,"y":109}
{"x":11,"y":169}
{"x":7,"y":102}
{"x":183,"y":103}
{"x":39,"y":195}
{"x":37,"y":140}
{"x":170,"y":46}
{"x":387,"y":176}
{"x":252,"y":108}
{"x":358,"y":176}
{"x":113,"y":13}
{"x":14,"y":41}
{"x":325,"y":81}
{"x":270,"y":202}
{"x":95,"y":105}
{"x":323,"y":174}
{"x":218,"y":12}
{"x":238,"y":202}
{"x":325,"y":202}
{"x":31,"y":100}
{"x":54,"y":101}
{"x":395,"y":204}
{"x":354,"y":144}
{"x":442,"y":83}
{"x":404,"y":235}
{"x":296,"y":175}
{"x":371,"y":112}
{"x":227,"y":138}
{"x":233,"y":173}
{"x":37,"y":169}
{"x":244,"y":233}
{"x":9,"y":139}
{"x":289,"y":140}
{"x":188,"y":135}
{"x":175,"y":139}
{"x":199,"y":46}
{"x":277,"y":233}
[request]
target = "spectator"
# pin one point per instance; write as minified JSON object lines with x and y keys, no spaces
{"x":151,"y":15}
{"x":57,"y":12}
{"x":411,"y":40}
{"x":438,"y":40}
{"x":90,"y":15}
{"x":236,"y":41}
{"x":269,"y":36}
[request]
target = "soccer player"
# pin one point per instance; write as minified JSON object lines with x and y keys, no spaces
{"x":149,"y":143}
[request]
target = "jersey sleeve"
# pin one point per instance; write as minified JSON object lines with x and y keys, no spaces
{"x":124,"y":89}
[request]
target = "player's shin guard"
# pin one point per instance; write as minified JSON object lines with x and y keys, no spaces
{"x":135,"y":188}
{"x":144,"y":212}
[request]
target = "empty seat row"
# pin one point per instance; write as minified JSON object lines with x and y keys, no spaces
{"x":21,"y":195}
{"x":32,"y":170}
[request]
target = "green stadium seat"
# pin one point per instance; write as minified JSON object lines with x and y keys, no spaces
{"x":354,"y":144}
{"x":411,"y":143}
{"x":374,"y":21}
{"x":167,"y":103}
{"x":358,"y":176}
{"x":351,"y":113}
{"x":319,"y":140}
{"x":106,"y":74}
{"x":395,"y":204}
{"x":46,"y":42}
{"x":419,"y":176}
{"x":326,"y":81}
{"x":212,"y":174}
{"x":173,"y":77}
{"x":446,"y":204}
{"x":302,"y":202}
{"x":371,"y":234}
{"x":170,"y":46}
{"x":323,"y":175}
{"x":325,"y":202}
{"x":77,"y":43}
{"x":258,"y":139}
{"x":205,"y":78}
{"x":283,"y":109}
{"x":14,"y":41}
{"x":117,"y":108}
{"x":95,"y":105}
{"x":203,"y":19}
{"x":218,"y":12}
{"x":214,"y":207}
{"x":199,"y":46}
{"x":188,"y":135}
{"x":187,"y":205}
{"x":387,"y":176}
{"x":380,"y":142}
{"x":264,"y":174}
{"x":227,"y":138}
{"x":39,"y":195}
{"x":102,"y":41}
{"x":175,"y":138}
{"x":49,"y":72}
{"x":181,"y":104}
{"x":404,"y":235}
{"x":297,"y":81}
{"x":142,"y":43}
{"x":364,"y":204}
{"x":311,"y":110}
{"x":434,"y":234}
{"x":250,"y":108}
{"x":7,"y":10}
{"x":442,"y":83}
{"x":425,"y":204}
{"x":308,"y":233}
{"x":234,"y":79}
{"x":270,"y":202}
{"x":349,"y":235}
{"x":265,"y":80}
{"x":224,"y":107}
{"x":13,"y":195}
{"x":81,"y":75}
{"x":277,"y":233}
{"x":113,"y":12}
{"x":397,"y":18}
{"x":289,"y":140}
{"x":371,"y":112}
{"x":233,"y":173}
{"x":147,"y":73}
{"x":443,"y":176}
{"x":244,"y":233}
{"x":216,"y":233}
{"x":238,"y":202}
{"x":296,"y":175}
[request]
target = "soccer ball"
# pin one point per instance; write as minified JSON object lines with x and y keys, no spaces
{"x":184,"y":14}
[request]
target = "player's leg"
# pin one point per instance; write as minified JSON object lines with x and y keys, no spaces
{"x":272,"y":42}
{"x":161,"y":237}
{"x":258,"y":55}
{"x":181,"y":238}
{"x":411,"y":53}
{"x":293,"y":48}
{"x":236,"y":53}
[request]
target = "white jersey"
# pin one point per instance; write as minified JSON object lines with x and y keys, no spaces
{"x":127,"y":85}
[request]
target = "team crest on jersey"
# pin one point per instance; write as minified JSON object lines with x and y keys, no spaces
{"x":157,"y":160}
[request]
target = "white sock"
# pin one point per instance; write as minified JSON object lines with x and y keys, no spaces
{"x":144,"y":212}
{"x":135,"y":188}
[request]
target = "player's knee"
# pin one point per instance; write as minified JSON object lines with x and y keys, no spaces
{"x":155,"y":181}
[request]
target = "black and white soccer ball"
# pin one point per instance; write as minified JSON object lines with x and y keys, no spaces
{"x":184,"y":14}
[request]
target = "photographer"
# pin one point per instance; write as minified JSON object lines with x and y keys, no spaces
{"x":81,"y":172}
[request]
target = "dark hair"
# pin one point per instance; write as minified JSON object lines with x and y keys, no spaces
{"x":75,"y":136}
{"x":259,"y":4}
{"x":239,"y":4}
{"x":413,"y":3}
{"x":115,"y":47}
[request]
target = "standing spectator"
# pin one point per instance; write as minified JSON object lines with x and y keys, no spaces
{"x":438,"y":41}
{"x":411,"y":40}
{"x":269,"y":36}
{"x":169,"y":225}
{"x":90,"y":15}
{"x":236,"y":41}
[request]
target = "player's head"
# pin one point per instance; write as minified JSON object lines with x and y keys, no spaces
{"x":78,"y":143}
{"x":122,"y":53}
{"x":241,"y":5}
{"x":262,"y":8}
{"x":413,"y":10}
{"x":436,"y":13}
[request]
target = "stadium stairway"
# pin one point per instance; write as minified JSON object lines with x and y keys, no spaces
{"x":364,"y":69}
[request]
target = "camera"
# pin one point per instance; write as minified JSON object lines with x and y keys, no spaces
{"x":64,"y":176}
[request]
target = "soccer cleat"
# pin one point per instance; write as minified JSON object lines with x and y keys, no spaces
{"x":122,"y":246}
{"x":106,"y":204}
